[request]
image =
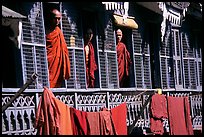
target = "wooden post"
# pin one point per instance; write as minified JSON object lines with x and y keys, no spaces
{"x":140,"y":113}
{"x":18,"y":93}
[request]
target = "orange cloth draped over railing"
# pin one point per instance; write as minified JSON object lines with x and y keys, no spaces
{"x":90,"y":67}
{"x":52,"y":116}
{"x":124,"y":62}
{"x":58,"y":58}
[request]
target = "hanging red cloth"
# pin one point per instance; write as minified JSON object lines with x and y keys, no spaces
{"x":119,"y":116}
{"x":124,"y":61}
{"x":52,"y":116}
{"x":106,"y":123}
{"x":188,"y":116}
{"x":79,"y":122}
{"x":58,"y":58}
{"x":90,"y":66}
{"x":179,"y":116}
{"x":158,"y":111}
{"x":93,"y":121}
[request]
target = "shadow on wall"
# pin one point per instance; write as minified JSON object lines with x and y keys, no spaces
{"x":137,"y":131}
{"x":11,"y":55}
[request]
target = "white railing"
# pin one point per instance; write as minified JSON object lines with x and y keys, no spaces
{"x":19,"y":118}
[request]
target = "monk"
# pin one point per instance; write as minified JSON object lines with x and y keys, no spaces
{"x":123,"y":57}
{"x":89,"y":59}
{"x":57,"y":52}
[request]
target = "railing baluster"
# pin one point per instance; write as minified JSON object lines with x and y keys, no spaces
{"x":75,"y":100}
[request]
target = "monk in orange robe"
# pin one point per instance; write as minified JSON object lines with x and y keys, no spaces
{"x":89,"y":59}
{"x":124,"y":60}
{"x":57,"y":52}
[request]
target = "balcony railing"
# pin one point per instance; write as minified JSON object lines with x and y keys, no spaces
{"x":18,"y":119}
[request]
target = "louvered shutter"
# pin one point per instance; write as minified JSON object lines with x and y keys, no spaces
{"x":189,"y":63}
{"x":177,"y":58}
{"x":33,"y":48}
{"x":108,"y":59}
{"x":199,"y":67}
{"x":166,"y":63}
{"x":70,"y":27}
{"x":142,"y":61}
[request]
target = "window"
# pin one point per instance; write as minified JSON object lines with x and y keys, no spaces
{"x":105,"y":51}
{"x":186,"y":58}
{"x":108,"y":58}
{"x":70,"y":25}
{"x":177,"y":58}
{"x":192,"y":63}
{"x":166,"y":62}
{"x":198,"y":56}
{"x":33,"y":51}
{"x":189,"y":63}
{"x":142,"y":61}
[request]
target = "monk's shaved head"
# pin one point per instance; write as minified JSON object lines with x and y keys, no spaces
{"x":55,"y":17}
{"x":119,"y":35}
{"x":56,"y":13}
{"x":119,"y":31}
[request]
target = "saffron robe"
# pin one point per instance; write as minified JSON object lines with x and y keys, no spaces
{"x":124,"y":61}
{"x":90,"y":66}
{"x":58,"y":58}
{"x":52,"y":116}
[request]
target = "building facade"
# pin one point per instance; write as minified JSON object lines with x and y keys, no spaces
{"x":164,"y":44}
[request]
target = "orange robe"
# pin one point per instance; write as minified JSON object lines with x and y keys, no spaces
{"x":58,"y":58}
{"x":90,"y":67}
{"x":52,"y":116}
{"x":124,"y":62}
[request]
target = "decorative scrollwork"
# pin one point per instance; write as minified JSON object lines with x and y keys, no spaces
{"x":91,"y":99}
{"x":67,"y":99}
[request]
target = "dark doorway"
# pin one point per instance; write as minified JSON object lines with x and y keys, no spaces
{"x":11,"y":56}
{"x":89,"y":22}
{"x":153,"y":32}
{"x":47,"y":7}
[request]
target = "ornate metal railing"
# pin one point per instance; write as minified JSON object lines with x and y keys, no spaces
{"x":18,"y":119}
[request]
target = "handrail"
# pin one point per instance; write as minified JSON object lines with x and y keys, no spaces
{"x":18,"y":93}
{"x":141,"y":112}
